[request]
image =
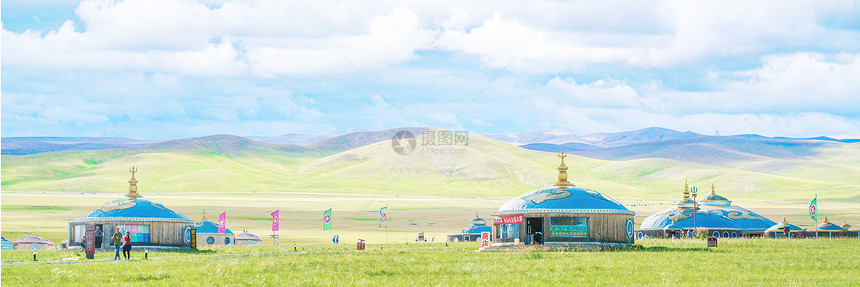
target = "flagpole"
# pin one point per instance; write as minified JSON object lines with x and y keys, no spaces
{"x":816,"y":215}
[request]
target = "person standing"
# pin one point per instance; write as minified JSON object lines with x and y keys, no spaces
{"x":98,"y":238}
{"x":117,"y":242}
{"x":126,"y":245}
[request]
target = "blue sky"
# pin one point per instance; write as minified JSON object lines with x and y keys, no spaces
{"x":182,"y":68}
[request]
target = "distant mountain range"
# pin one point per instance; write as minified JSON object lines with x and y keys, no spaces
{"x":645,"y":163}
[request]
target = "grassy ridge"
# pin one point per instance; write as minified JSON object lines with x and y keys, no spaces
{"x":650,"y":262}
{"x":483,"y":168}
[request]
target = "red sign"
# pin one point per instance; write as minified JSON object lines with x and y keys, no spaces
{"x":513,"y":219}
{"x":90,"y":239}
{"x":485,"y":239}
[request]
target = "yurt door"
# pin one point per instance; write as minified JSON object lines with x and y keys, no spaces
{"x":533,"y":225}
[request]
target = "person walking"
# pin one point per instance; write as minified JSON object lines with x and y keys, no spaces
{"x":116,"y":239}
{"x":126,"y":245}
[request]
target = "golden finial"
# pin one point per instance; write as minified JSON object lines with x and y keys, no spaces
{"x":132,"y":185}
{"x":562,"y":172}
{"x":784,"y":222}
{"x":825,"y":222}
{"x":713,"y":193}
{"x":204,"y":217}
{"x":686,"y":191}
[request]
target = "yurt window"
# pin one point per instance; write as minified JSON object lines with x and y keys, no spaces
{"x":716,"y":234}
{"x":575,"y":227}
{"x":509,"y":230}
{"x":79,"y":232}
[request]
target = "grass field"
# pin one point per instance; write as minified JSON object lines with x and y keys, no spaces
{"x":831,"y":262}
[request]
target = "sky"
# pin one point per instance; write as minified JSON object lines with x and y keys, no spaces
{"x":151,"y":69}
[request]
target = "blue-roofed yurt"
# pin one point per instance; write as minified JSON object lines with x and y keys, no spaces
{"x":563,"y":215}
{"x":472,"y":232}
{"x":751,"y":223}
{"x":678,"y":221}
{"x":784,"y":230}
{"x":208,"y":235}
{"x":6,"y":244}
{"x":828,"y":229}
{"x":149,"y":223}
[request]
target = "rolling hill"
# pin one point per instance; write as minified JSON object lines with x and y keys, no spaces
{"x":762,"y":169}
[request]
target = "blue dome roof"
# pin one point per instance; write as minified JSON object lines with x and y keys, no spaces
{"x":827,"y":226}
{"x":744,"y":218}
{"x":476,"y":226}
{"x":679,"y":218}
{"x":136,"y":208}
{"x":209,"y":227}
{"x":562,"y":200}
{"x":780,"y":227}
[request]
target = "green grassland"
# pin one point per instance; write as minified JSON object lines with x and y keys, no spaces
{"x":831,"y":262}
{"x":425,"y":190}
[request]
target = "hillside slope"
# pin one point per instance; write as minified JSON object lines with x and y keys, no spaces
{"x":483,"y":168}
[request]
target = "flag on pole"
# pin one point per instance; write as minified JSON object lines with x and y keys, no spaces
{"x":813,"y":209}
{"x":383,"y":217}
{"x":327,"y":219}
{"x":222,"y":223}
{"x":275,"y":216}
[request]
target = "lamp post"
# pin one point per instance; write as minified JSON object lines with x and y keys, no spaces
{"x":695,"y":225}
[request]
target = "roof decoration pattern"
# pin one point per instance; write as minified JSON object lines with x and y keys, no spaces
{"x":563,"y":200}
{"x":136,"y":208}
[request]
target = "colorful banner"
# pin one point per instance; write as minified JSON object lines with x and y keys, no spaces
{"x":513,"y":219}
{"x":813,"y":209}
{"x":222,"y":223}
{"x":327,"y":219}
{"x":275,"y":218}
{"x":383,"y":217}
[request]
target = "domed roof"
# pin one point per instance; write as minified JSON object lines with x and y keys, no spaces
{"x":476,"y":226}
{"x":561,"y":200}
{"x":845,"y":225}
{"x":136,"y":208}
{"x":826,"y":225}
{"x":679,"y":218}
{"x":744,"y":218}
{"x":247,"y":236}
{"x":715,"y":199}
{"x":780,"y":227}
{"x":209,"y":227}
{"x":564,"y":197}
{"x":29,"y":239}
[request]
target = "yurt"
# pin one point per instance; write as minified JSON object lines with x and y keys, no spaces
{"x":30,"y":242}
{"x":779,"y":230}
{"x":828,"y":229}
{"x":150,"y":224}
{"x":563,"y":215}
{"x":208,"y":235}
{"x":246,"y":238}
{"x":679,"y":221}
{"x":471,"y":232}
{"x":749,"y":222}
